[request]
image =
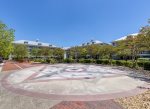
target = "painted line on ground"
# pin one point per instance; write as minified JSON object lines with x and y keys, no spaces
{"x":18,"y":66}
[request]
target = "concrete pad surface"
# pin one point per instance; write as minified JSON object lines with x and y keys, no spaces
{"x":45,"y":86}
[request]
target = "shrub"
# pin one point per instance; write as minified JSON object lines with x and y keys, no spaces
{"x":105,"y":61}
{"x":69,"y":60}
{"x":113,"y":62}
{"x":93,"y":61}
{"x":102,"y":61}
{"x":99,"y":61}
{"x":88,"y":61}
{"x":147,"y":65}
{"x":128,"y":64}
{"x":39,"y":60}
{"x":140,"y":63}
{"x":144,"y":59}
{"x":119,"y":63}
{"x":81,"y":60}
{"x":51,"y":60}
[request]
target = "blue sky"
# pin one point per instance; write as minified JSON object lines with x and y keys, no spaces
{"x":72,"y":22}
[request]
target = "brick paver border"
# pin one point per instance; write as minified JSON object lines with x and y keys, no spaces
{"x":108,"y":104}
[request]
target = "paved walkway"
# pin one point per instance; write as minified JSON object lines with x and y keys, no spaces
{"x":1,"y":65}
{"x":108,"y":104}
{"x":19,"y":100}
{"x":10,"y":100}
{"x":11,"y":65}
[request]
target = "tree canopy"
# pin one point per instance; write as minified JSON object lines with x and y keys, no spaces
{"x":6,"y":39}
{"x":20,"y":51}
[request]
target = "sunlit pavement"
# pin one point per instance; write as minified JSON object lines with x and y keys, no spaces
{"x":1,"y":65}
{"x":65,"y":86}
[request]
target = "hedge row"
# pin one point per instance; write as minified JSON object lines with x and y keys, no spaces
{"x":130,"y":64}
{"x":50,"y":60}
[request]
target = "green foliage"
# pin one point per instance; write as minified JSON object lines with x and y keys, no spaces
{"x":35,"y":52}
{"x":143,"y":59}
{"x":119,"y":63}
{"x":106,"y":51}
{"x":49,"y":54}
{"x":129,"y":64}
{"x":45,"y":52}
{"x":6,"y":39}
{"x":144,"y":64}
{"x":94,"y":51}
{"x":147,"y":65}
{"x":123,"y":48}
{"x":77,"y":52}
{"x":69,"y":60}
{"x":48,"y":60}
{"x":144,"y":37}
{"x":103,"y":61}
{"x":20,"y":52}
{"x":140,"y":63}
{"x":113,"y":62}
{"x":87,"y":61}
{"x":58,"y":52}
{"x":99,"y":61}
{"x":81,"y":60}
{"x":51,"y":61}
{"x":124,"y":63}
{"x":39,"y":60}
{"x":106,"y":61}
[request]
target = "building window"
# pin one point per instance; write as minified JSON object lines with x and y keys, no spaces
{"x":83,"y":44}
{"x":93,"y":42}
{"x":39,"y":44}
{"x":25,"y":42}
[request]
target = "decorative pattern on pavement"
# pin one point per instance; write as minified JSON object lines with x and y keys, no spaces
{"x":74,"y":82}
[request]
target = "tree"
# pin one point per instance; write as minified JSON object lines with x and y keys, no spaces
{"x":58,"y":53}
{"x":20,"y":52}
{"x":123,"y":48}
{"x":93,"y":50}
{"x":75,"y":52}
{"x":6,"y":39}
{"x":45,"y":52}
{"x":35,"y":52}
{"x":144,"y":37}
{"x":83,"y":52}
{"x":106,"y":52}
{"x":131,"y":46}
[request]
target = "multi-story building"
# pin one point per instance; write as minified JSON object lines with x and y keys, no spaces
{"x":123,"y":38}
{"x":92,"y":42}
{"x":143,"y":54}
{"x":34,"y":44}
